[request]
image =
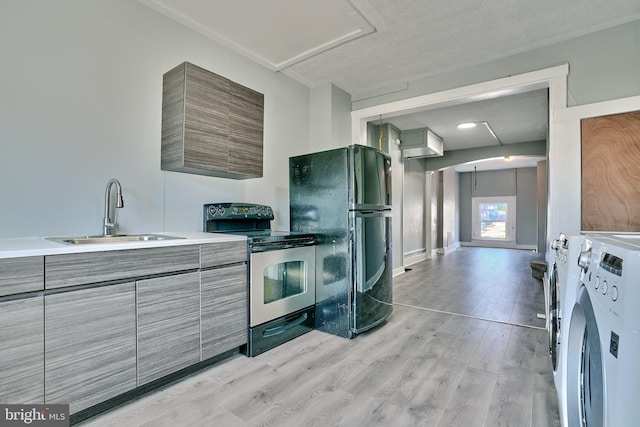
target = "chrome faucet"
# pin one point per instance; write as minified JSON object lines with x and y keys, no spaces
{"x":110,"y":226}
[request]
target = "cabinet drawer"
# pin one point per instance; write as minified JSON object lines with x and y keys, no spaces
{"x":21,"y":275}
{"x":94,"y":267}
{"x":215,"y":254}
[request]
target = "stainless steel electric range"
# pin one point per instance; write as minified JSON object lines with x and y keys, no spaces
{"x":281,"y":273}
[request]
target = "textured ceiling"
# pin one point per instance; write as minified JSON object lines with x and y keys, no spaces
{"x":419,"y":38}
{"x":363,"y":45}
{"x":275,"y":33}
{"x":367,"y":47}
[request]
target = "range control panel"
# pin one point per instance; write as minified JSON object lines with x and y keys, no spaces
{"x":221,"y":211}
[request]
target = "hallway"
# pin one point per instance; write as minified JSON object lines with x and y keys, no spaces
{"x":488,"y":283}
{"x":420,"y":368}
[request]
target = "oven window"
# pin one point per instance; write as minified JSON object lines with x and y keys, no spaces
{"x":284,"y":280}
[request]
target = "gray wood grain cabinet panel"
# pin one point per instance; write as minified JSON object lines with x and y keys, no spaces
{"x":224,"y":320}
{"x":90,"y":345}
{"x":210,"y":125}
{"x":246,"y":123}
{"x":19,"y":275}
{"x":22,"y":351}
{"x":195,"y":119}
{"x":94,"y":267}
{"x":168,"y":310}
{"x":216,"y":254}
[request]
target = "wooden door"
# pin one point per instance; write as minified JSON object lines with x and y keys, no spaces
{"x":611,"y":173}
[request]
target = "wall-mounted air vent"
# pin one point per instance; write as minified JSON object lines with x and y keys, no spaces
{"x":419,"y":143}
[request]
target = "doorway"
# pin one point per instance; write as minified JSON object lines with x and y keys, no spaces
{"x":554,"y":79}
{"x":494,"y":219}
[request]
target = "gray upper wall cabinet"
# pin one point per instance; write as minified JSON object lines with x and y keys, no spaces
{"x":210,"y":125}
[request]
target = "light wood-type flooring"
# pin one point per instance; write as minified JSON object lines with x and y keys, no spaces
{"x":421,"y":368}
{"x":489,"y":283}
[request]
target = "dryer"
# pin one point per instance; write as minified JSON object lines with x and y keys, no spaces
{"x":563,"y":280}
{"x":603,"y":376}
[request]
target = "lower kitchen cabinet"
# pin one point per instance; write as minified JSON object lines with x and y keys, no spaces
{"x":223,"y":309}
{"x":90,"y":345}
{"x":22,"y":351}
{"x":168,"y":321}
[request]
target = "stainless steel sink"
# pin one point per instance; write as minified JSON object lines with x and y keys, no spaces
{"x":123,"y":238}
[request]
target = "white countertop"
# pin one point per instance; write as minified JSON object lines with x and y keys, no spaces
{"x":35,"y":246}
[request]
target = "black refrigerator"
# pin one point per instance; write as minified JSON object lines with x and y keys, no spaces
{"x":344,"y":197}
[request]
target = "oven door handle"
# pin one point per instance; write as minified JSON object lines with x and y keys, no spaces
{"x":270,"y":332}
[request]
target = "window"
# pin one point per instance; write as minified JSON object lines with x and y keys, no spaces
{"x":494,"y":218}
{"x":284,"y":280}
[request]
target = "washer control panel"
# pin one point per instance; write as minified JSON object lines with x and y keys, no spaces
{"x":603,"y":275}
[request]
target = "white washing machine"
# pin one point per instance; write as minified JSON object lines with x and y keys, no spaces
{"x":603,"y":348}
{"x":564,"y":278}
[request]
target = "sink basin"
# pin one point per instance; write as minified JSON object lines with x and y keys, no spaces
{"x":123,"y":238}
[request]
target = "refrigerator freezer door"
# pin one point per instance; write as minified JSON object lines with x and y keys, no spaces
{"x":318,"y":192}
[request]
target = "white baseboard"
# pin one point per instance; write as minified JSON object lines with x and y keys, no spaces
{"x":448,"y":249}
{"x":494,"y":244}
{"x":414,"y":257}
{"x":398,"y":271}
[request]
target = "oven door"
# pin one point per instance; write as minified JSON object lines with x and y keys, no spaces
{"x":282,"y":282}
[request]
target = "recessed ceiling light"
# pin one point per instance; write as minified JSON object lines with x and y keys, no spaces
{"x":466,"y":125}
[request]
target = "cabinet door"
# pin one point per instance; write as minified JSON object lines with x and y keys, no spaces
{"x":246,"y":117}
{"x":90,"y":345}
{"x":224,"y":310}
{"x":22,"y":351}
{"x":206,"y":119}
{"x":195,"y":120}
{"x":168,"y":325}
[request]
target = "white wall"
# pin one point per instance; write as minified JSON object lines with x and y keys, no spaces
{"x":414,"y":239}
{"x":80,"y":103}
{"x":450,"y":210}
{"x":320,"y":134}
{"x":397,"y":185}
{"x":330,"y":108}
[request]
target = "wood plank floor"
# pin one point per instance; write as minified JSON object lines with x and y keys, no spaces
{"x":420,"y":368}
{"x":490,"y":283}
